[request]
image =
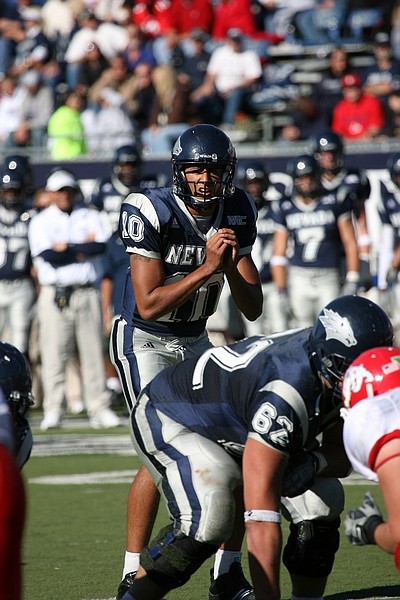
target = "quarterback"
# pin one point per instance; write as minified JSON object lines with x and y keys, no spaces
{"x":183,"y":242}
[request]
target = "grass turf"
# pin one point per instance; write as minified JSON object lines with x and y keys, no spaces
{"x":75,"y":537}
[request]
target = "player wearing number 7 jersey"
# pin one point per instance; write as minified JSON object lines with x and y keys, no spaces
{"x":252,"y":413}
{"x":182,"y":242}
{"x":311,"y":227}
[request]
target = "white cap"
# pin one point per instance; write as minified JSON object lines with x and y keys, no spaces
{"x":59,"y":180}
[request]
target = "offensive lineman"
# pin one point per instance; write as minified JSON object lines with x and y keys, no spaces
{"x":253,"y":410}
{"x":371,"y":435}
{"x":182,"y":242}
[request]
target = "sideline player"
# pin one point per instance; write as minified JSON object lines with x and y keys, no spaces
{"x":345,"y":182}
{"x":371,"y":435}
{"x":312,"y":227}
{"x":17,"y":290}
{"x":182,"y":242}
{"x":252,"y":411}
{"x":15,"y":448}
{"x":254,"y":178}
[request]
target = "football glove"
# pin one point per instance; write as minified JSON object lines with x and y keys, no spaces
{"x":361,"y":522}
{"x":284,"y":303}
{"x":300,"y":473}
{"x":349,"y":288}
{"x":391,"y":276}
{"x":365,"y":275}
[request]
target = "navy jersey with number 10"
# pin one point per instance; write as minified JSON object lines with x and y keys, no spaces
{"x":158,"y":225}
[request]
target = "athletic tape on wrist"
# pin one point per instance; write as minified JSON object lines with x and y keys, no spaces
{"x":268,"y":516}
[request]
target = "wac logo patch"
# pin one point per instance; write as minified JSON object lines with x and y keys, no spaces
{"x":337,"y":328}
{"x":236,"y":220}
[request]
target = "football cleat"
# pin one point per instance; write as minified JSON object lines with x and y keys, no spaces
{"x":231,"y":586}
{"x":125,"y":585}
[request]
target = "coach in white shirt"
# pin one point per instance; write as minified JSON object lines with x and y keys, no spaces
{"x":66,"y":241}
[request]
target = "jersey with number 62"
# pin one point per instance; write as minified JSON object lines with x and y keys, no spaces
{"x":158,"y":225}
{"x":261,"y":387}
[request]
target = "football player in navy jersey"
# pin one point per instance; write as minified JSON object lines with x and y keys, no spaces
{"x":254,"y":177}
{"x":183,"y":241}
{"x":264,"y":412}
{"x":327,"y":147}
{"x":109,"y":192}
{"x":17,"y":293}
{"x":389,"y":251}
{"x":312,"y":226}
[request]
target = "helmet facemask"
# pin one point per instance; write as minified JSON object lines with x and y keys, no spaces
{"x":214,"y":185}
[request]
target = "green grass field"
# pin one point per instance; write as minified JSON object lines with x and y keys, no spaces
{"x":75,"y":533}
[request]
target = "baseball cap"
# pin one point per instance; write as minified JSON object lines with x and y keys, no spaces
{"x":382,"y":39}
{"x":59,"y":180}
{"x":351,"y":80}
{"x":234,"y":33}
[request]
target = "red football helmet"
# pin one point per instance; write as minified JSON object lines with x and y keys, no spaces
{"x":374,"y":372}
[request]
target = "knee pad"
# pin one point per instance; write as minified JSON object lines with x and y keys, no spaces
{"x":172,"y":557}
{"x":311,"y":547}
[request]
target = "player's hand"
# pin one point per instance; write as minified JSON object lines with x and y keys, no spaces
{"x":222,"y":243}
{"x":361,"y":522}
{"x":300,"y":474}
{"x":391,"y":276}
{"x":349,"y":288}
{"x":365,"y":282}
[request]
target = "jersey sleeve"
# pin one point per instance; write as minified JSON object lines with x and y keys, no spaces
{"x":139,"y":226}
{"x":280,"y":418}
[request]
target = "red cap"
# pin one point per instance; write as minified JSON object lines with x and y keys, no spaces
{"x":351,"y":80}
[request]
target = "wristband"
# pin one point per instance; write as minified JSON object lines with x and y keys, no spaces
{"x":266,"y":516}
{"x":369,"y":527}
{"x":278,"y":261}
{"x":363,"y":240}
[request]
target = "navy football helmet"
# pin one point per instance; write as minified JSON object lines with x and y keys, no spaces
{"x":203,"y":145}
{"x":21,"y":164}
{"x":254,"y":178}
{"x":393,"y":166}
{"x":16,"y":384}
{"x":344,"y":329}
{"x":328,"y":141}
{"x":127,"y":164}
{"x":301,"y":166}
{"x":12,"y":187}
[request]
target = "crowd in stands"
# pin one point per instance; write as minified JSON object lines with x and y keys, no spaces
{"x":81,"y":77}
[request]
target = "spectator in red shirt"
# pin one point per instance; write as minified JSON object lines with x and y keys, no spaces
{"x":230,"y":14}
{"x":358,"y":116}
